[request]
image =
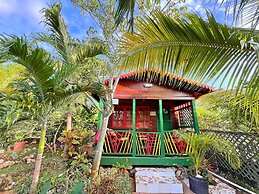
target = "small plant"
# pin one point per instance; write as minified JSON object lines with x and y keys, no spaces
{"x":123,"y":165}
{"x":80,"y":146}
{"x":201,"y":143}
{"x":110,"y":181}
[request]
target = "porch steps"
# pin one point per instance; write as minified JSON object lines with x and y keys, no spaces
{"x":157,"y":180}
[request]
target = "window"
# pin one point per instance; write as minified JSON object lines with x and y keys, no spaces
{"x":143,"y":117}
{"x":122,"y":117}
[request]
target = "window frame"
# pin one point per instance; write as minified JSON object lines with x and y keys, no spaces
{"x":124,"y":117}
{"x":137,"y":117}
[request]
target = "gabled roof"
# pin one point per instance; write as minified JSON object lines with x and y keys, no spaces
{"x":166,"y":79}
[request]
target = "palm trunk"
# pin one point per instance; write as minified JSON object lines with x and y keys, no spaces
{"x":36,"y":174}
{"x":69,"y":127}
{"x":99,"y":148}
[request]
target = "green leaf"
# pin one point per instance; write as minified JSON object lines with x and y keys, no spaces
{"x":78,"y":188}
{"x":45,"y":188}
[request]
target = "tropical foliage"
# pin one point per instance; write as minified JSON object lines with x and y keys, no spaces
{"x":202,"y":50}
{"x":103,"y":14}
{"x":9,"y":73}
{"x":216,"y":113}
{"x":48,"y":76}
{"x":201,"y":143}
{"x":243,"y":12}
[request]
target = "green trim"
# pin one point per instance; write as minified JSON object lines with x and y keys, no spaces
{"x":147,"y":161}
{"x":99,"y":123}
{"x":134,"y":139}
{"x":161,"y":122}
{"x":195,"y":119}
{"x":118,"y":154}
{"x":148,"y":155}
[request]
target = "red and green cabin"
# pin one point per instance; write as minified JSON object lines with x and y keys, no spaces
{"x":148,"y":108}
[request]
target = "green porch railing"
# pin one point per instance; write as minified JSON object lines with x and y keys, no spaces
{"x":120,"y":142}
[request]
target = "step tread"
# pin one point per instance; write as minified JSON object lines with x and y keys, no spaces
{"x":157,"y":180}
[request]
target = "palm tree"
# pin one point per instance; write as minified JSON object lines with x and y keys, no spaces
{"x":72,"y":52}
{"x":49,"y":76}
{"x":203,"y":50}
{"x":243,"y":12}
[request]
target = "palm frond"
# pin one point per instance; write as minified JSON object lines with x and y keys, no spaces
{"x":244,"y":12}
{"x":124,"y":9}
{"x":62,"y":96}
{"x":36,"y":60}
{"x":85,"y":51}
{"x":193,"y":48}
{"x":55,"y":25}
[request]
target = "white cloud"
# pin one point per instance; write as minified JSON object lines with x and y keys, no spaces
{"x":23,"y":15}
{"x":34,"y":8}
{"x":7,"y":6}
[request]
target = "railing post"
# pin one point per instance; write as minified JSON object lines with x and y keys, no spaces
{"x":161,"y":122}
{"x":195,"y":119}
{"x":99,"y":123}
{"x":134,"y":137}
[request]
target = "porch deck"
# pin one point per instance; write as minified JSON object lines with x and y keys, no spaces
{"x":145,"y":148}
{"x":147,"y":161}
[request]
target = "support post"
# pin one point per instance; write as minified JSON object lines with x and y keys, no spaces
{"x":99,"y":123}
{"x":134,"y":139}
{"x":161,"y":122}
{"x":195,"y":119}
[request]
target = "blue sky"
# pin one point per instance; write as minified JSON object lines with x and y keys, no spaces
{"x":23,"y":16}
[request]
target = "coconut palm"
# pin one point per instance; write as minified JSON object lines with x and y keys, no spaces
{"x":202,"y":50}
{"x":49,"y":76}
{"x":243,"y":12}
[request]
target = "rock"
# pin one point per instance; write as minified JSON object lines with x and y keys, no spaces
{"x":6,"y":182}
{"x":8,"y":192}
{"x":28,"y":159}
{"x":6,"y":164}
{"x":14,"y":155}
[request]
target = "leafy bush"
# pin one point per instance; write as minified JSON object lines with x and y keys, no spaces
{"x":111,"y":181}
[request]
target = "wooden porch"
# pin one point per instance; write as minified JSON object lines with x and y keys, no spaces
{"x":148,"y":107}
{"x":145,"y":144}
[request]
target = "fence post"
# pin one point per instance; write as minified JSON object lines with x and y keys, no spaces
{"x":161,"y":128}
{"x":134,"y":138}
{"x":195,"y":119}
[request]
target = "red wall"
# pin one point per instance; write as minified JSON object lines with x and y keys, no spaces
{"x":130,"y":89}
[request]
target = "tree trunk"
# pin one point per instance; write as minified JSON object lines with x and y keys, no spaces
{"x":69,"y":127}
{"x":99,"y":148}
{"x":36,"y":174}
{"x":69,"y":120}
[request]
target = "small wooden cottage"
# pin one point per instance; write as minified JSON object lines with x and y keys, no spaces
{"x":148,"y":108}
